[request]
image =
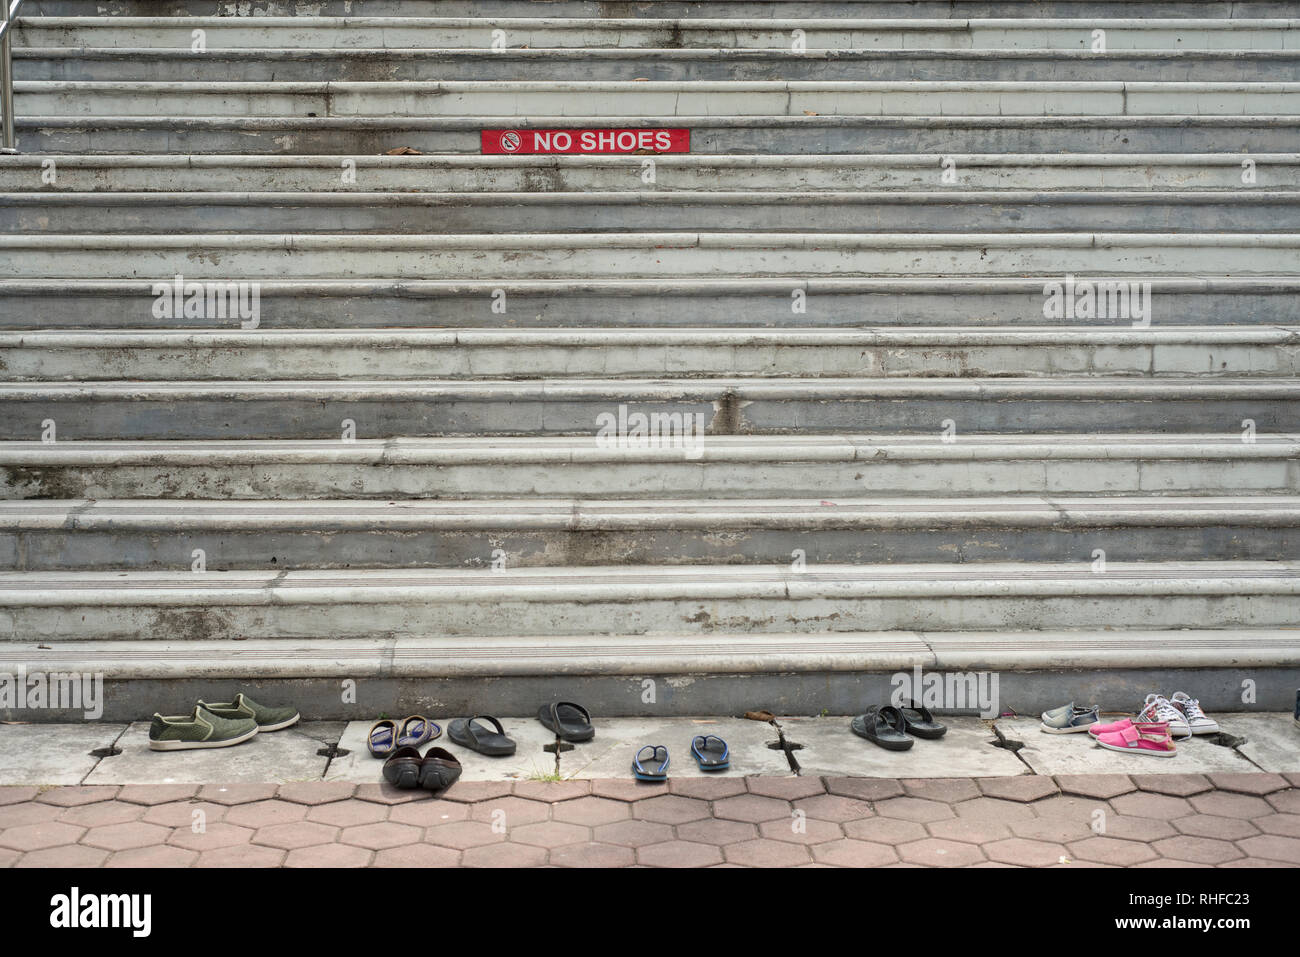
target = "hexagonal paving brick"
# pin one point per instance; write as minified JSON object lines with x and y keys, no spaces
{"x":1175,"y":785}
{"x":295,"y":834}
{"x":351,"y":813}
{"x":994,"y":809}
{"x":1286,"y":801}
{"x":376,"y":837}
{"x":834,"y":808}
{"x":969,"y":830}
{"x":214,"y":836}
{"x":786,"y":789}
{"x":1209,"y":825}
{"x":1110,"y":850}
{"x":120,"y":837}
{"x":505,"y":855}
{"x":417,"y":855}
{"x":592,"y":811}
{"x":1228,"y":804}
{"x":510,"y":811}
{"x":762,"y":853}
{"x":939,"y":853}
{"x":593,"y":855}
{"x":242,"y":856}
{"x":1286,"y":825}
{"x":31,"y":812}
{"x":101,"y":813}
{"x":1146,"y":829}
{"x":714,"y":831}
{"x":265,"y":813}
{"x":851,"y":853}
{"x":316,"y":792}
{"x":1027,"y":853}
{"x":463,"y":835}
{"x":33,"y":837}
{"x":159,"y":855}
{"x":552,"y":791}
{"x":9,"y":857}
{"x":1103,"y":787}
{"x":1249,"y":783}
{"x":387,"y":795}
{"x":183,"y":813}
{"x":671,"y":809}
{"x":240,"y":792}
{"x":1026,"y":787}
{"x":1160,"y":806}
{"x":913,"y":809}
{"x":550,"y":834}
{"x":1053,"y":830}
{"x":801,"y":831}
{"x":751,"y":808}
{"x":11,"y":794}
{"x":155,"y":794}
{"x":328,"y":855}
{"x":1273,"y":848}
{"x":632,"y":833}
{"x":65,"y":855}
{"x":947,"y":790}
{"x":864,"y":789}
{"x":709,"y":789}
{"x":678,"y":854}
{"x":1202,"y":850}
{"x":1171,"y":863}
{"x":884,"y":830}
{"x":618,"y":789}
{"x":434,"y":812}
{"x":73,"y":796}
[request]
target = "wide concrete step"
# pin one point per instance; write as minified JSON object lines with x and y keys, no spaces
{"x":768,"y":303}
{"x":436,"y":132}
{"x":275,"y":35}
{"x":159,"y":535}
{"x":250,"y":257}
{"x":705,"y":64}
{"x":174,"y":607}
{"x":616,"y":352}
{"x":682,"y":408}
{"x":730,"y":467}
{"x":625,"y":98}
{"x":772,"y":211}
{"x":770,"y":9}
{"x":453,"y":173}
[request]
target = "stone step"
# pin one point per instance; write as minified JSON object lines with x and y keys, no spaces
{"x":772,"y":98}
{"x":186,"y":133}
{"x":251,"y":257}
{"x":258,"y":355}
{"x":161,"y":535}
{"x":763,"y":9}
{"x":647,"y":303}
{"x":278,"y":37}
{"x":500,"y":407}
{"x":727,"y":467}
{"x":172,"y":608}
{"x":455,"y":173}
{"x":1033,"y":670}
{"x":770,"y":211}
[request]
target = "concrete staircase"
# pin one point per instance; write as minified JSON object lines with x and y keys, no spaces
{"x":890,"y":449}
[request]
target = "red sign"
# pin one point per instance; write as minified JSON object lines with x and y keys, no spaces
{"x":586,"y":141}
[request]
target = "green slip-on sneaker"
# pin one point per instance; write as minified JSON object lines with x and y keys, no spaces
{"x":268,"y":719}
{"x":201,"y":729}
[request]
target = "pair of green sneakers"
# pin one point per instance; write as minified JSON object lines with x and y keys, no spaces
{"x":217,"y":725}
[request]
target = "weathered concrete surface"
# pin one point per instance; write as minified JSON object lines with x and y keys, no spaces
{"x":1272,"y":740}
{"x":830,"y":748}
{"x":282,"y":756}
{"x":37,"y":754}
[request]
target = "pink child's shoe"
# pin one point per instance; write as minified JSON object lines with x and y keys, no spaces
{"x":1146,"y":738}
{"x":1113,"y":728}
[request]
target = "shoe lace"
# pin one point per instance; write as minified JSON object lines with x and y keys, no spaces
{"x":1158,"y":708}
{"x":1192,"y":708}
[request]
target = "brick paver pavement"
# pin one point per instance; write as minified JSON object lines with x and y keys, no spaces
{"x":1239,"y":820}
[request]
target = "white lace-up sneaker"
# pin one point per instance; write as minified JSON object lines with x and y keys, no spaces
{"x":1197,"y":720}
{"x":1158,"y":708}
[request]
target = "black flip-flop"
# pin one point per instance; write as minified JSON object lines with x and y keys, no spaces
{"x":402,"y":769}
{"x":477,"y":737}
{"x":439,"y":770}
{"x":919,"y":721}
{"x":571,"y":722}
{"x":711,"y":752}
{"x":883,"y":726}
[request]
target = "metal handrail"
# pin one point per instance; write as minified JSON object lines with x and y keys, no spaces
{"x":8,"y":15}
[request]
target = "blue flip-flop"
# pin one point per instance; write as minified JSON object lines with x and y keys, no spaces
{"x":417,"y":730}
{"x":641,"y":773}
{"x":711,"y":752}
